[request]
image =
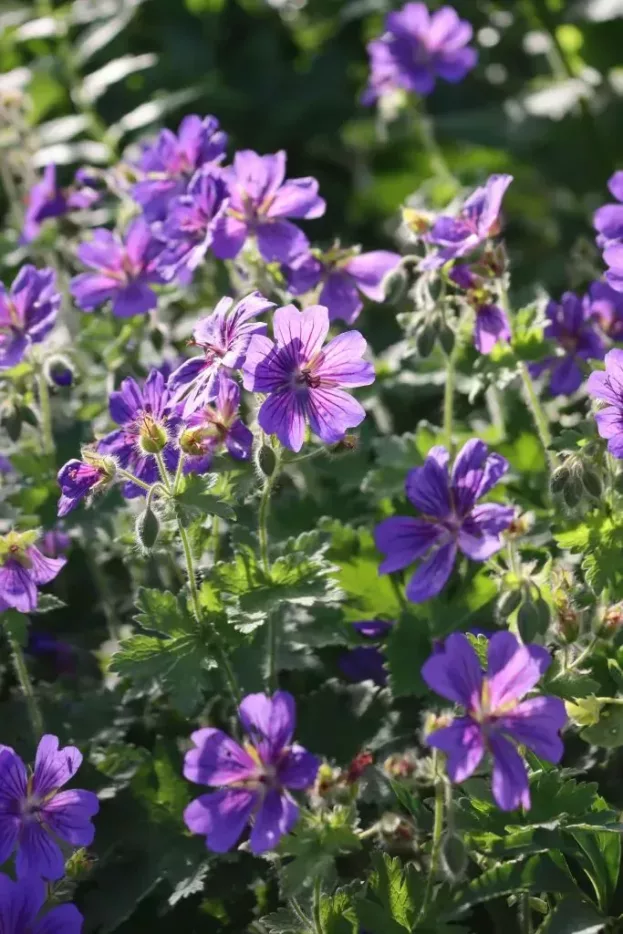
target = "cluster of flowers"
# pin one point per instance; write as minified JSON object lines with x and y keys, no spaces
{"x":35,"y":813}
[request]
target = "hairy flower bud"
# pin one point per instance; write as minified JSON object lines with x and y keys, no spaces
{"x":508,"y":602}
{"x":153,"y":436}
{"x":453,"y":857}
{"x":266,"y":460}
{"x":147,"y":529}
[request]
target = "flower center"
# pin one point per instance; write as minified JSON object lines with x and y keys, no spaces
{"x":303,"y":378}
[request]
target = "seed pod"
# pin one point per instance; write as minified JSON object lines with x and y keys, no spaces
{"x":447,"y":338}
{"x":559,"y":480}
{"x":425,"y":341}
{"x":573,"y":492}
{"x":267,"y":460}
{"x":453,"y":857}
{"x":394,"y":285}
{"x":508,"y":602}
{"x":147,"y":529}
{"x":592,"y":483}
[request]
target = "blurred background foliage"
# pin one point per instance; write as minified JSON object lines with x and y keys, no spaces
{"x":544,"y":103}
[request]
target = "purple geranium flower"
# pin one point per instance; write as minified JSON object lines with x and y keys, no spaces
{"x":20,"y":910}
{"x":188,"y":228}
{"x":606,"y":307}
{"x":573,"y":328}
{"x":55,"y":543}
{"x":608,"y":387}
{"x":364,"y":663}
{"x":304,"y":380}
{"x":255,"y":780}
{"x":167,"y":165}
{"x":491,"y":322}
{"x":418,"y":47}
{"x":224,"y":337}
{"x":149,"y":425}
{"x":34,"y":812}
{"x":373,"y":628}
{"x":451,"y":519}
{"x":261,"y":198}
{"x":344,"y":276}
{"x":608,"y":220}
{"x":79,"y":479}
{"x":476,"y":222}
{"x":22,"y":569}
{"x":6,"y":467}
{"x":61,"y":654}
{"x":123,"y":272}
{"x":46,"y":200}
{"x":214,"y":426}
{"x":496,"y":719}
{"x":27,"y":313}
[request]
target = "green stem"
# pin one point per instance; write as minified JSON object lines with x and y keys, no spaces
{"x":425,"y":130}
{"x":437,"y":835}
{"x":525,"y":913}
{"x":215,"y":538}
{"x":45,"y":411}
{"x":162,"y":470}
{"x":448,"y":396}
{"x":540,"y":419}
{"x":318,"y":928}
{"x":583,"y":654}
{"x":34,"y":713}
{"x":196,"y":606}
{"x":271,"y":635}
{"x":126,"y":475}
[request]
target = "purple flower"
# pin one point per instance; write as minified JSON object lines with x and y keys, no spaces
{"x":55,"y":543}
{"x":304,"y":380}
{"x":343,"y":276}
{"x":149,"y":425}
{"x":261,"y":198}
{"x":573,"y":328}
{"x":123,"y":272}
{"x":491,"y":322}
{"x":45,"y":645}
{"x":79,"y":479}
{"x":606,"y":307}
{"x":6,"y":467}
{"x":213,"y":426}
{"x":22,"y":569}
{"x":608,"y":220}
{"x":496,"y":718}
{"x":34,"y":812}
{"x":476,"y":222}
{"x":224,"y":337}
{"x":167,"y":165}
{"x":46,"y":200}
{"x":20,"y":910}
{"x":364,"y":663}
{"x":608,"y":387}
{"x":255,"y":780}
{"x":188,"y":228}
{"x":373,"y":628}
{"x":451,"y":519}
{"x":418,"y":47}
{"x":27,"y":313}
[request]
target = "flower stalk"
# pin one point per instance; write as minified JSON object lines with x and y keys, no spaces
{"x":435,"y":855}
{"x":21,"y":670}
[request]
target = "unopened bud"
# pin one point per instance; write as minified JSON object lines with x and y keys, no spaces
{"x":573,"y":492}
{"x":395,"y":285}
{"x":592,"y":483}
{"x":152,"y":437}
{"x":453,"y":857}
{"x":267,"y":460}
{"x":559,"y":480}
{"x":147,"y":528}
{"x":533,"y":618}
{"x":446,"y":338}
{"x":508,"y":602}
{"x":425,"y":341}
{"x":12,"y":423}
{"x":190,"y":442}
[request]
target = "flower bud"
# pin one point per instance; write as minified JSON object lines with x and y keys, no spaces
{"x":592,"y":483}
{"x":12,"y":422}
{"x":147,"y":529}
{"x":560,"y":478}
{"x":573,"y":492}
{"x":153,"y":437}
{"x":61,"y":374}
{"x":425,"y":340}
{"x":508,"y":602}
{"x":266,"y":460}
{"x":191,"y":442}
{"x":533,"y":618}
{"x":453,"y":857}
{"x":395,"y":285}
{"x":446,"y":338}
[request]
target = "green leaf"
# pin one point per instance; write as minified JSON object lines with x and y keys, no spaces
{"x":196,"y":497}
{"x":394,"y":897}
{"x":603,"y":850}
{"x":407,"y":648}
{"x":599,"y":538}
{"x":48,"y":602}
{"x":367,"y":592}
{"x":573,"y":915}
{"x":609,"y":731}
{"x":568,"y":685}
{"x":314,"y":844}
{"x":285,"y":921}
{"x":337,"y":914}
{"x":161,"y":611}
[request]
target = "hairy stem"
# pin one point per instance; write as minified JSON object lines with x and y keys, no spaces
{"x":525,"y":913}
{"x":21,"y":670}
{"x":271,"y":636}
{"x":448,"y":396}
{"x":437,"y":161}
{"x":45,"y":412}
{"x":437,"y":835}
{"x":538,"y":415}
